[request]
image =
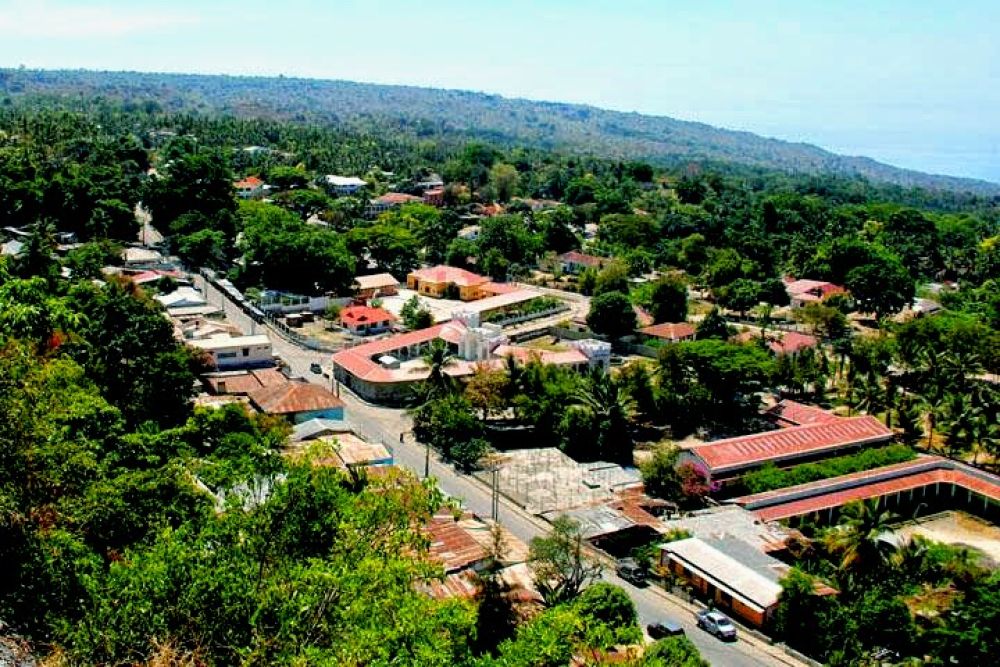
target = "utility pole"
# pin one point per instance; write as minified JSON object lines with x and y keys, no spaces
{"x":427,"y":459}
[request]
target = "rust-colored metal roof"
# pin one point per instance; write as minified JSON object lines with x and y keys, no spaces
{"x":452,"y":545}
{"x":359,"y":360}
{"x":243,"y":382}
{"x":792,"y":442}
{"x":294,"y":397}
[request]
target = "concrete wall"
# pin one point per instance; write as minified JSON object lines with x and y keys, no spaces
{"x":330,"y":413}
{"x":253,"y":356}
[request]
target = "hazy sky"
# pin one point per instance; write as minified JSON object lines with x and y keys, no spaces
{"x":915,"y":83}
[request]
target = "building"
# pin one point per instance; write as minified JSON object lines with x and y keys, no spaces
{"x":575,"y":262}
{"x":298,"y":402}
{"x":780,"y":343}
{"x":250,"y":187}
{"x":140,"y":256}
{"x":231,"y":352}
{"x":388,"y":202}
{"x":182,"y":297}
{"x":385,"y":370}
{"x":733,"y":575}
{"x":442,"y":281}
{"x":669,"y":332}
{"x":344,"y":185}
{"x":726,"y":460}
{"x":378,"y":284}
{"x":802,"y":292}
{"x":434,"y":196}
{"x":431,"y":182}
{"x":928,"y":483}
{"x":365,"y":320}
{"x":788,"y":413}
{"x":469,"y":232}
{"x":243,"y":382}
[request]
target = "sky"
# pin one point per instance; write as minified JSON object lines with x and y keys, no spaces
{"x":915,"y":83}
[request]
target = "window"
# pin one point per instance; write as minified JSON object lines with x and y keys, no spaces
{"x":226,"y":355}
{"x":246,"y":352}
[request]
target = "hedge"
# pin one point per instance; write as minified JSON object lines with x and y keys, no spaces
{"x":770,"y":477}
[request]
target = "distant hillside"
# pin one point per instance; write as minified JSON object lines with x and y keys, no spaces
{"x":428,"y":112}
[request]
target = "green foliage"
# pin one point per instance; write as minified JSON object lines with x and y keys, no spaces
{"x":450,"y":425}
{"x":611,"y":314}
{"x":659,"y":474}
{"x":668,"y":300}
{"x":561,"y":568}
{"x":770,"y":477}
{"x":673,"y":652}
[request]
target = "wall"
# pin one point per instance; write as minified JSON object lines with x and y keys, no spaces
{"x":329,"y":413}
{"x":232,"y":358}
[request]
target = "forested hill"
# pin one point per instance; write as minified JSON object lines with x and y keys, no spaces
{"x":431,"y":113}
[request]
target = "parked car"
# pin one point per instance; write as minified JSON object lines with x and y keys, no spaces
{"x":663,"y":629}
{"x":716,"y":623}
{"x":316,"y":368}
{"x":630,"y":571}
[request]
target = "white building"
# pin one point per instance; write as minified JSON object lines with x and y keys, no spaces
{"x":344,"y":185}
{"x":229,"y":352}
{"x":182,"y":297}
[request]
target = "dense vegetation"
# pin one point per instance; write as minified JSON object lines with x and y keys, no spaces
{"x":912,"y":597}
{"x":770,"y":477}
{"x":431,"y":115}
{"x":132,"y":525}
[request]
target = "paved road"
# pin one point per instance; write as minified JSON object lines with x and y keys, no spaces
{"x":386,"y":424}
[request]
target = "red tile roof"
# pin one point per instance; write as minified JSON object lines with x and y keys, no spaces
{"x":396,"y":198}
{"x":500,"y":288}
{"x":790,"y":443}
{"x":575,"y":257}
{"x":780,"y":342}
{"x":250,"y":182}
{"x":792,"y":413}
{"x":642,"y":317}
{"x":293,"y":397}
{"x":449,"y":274}
{"x":354,"y":315}
{"x":669,"y":330}
{"x":358,"y":361}
{"x":838,"y":491}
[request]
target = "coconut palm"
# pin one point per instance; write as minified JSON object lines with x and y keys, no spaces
{"x":863,"y":539}
{"x":612,"y":410}
{"x":437,"y":359}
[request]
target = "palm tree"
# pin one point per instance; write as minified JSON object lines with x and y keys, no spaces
{"x":438,"y":358}
{"x":612,"y":409}
{"x":861,"y":537}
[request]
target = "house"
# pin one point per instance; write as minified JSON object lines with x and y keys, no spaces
{"x":671,"y":332}
{"x":780,"y":343}
{"x":298,"y":402}
{"x":231,"y":352}
{"x":431,"y":182}
{"x":242,"y":382}
{"x":378,"y":284}
{"x":365,"y":320}
{"x":575,"y":262}
{"x":250,"y":187}
{"x":440,"y":281}
{"x":343,"y":185}
{"x":139,"y":256}
{"x":732,"y":574}
{"x":12,"y":248}
{"x":434,"y":196}
{"x":387,"y":202}
{"x":724,"y":461}
{"x":182,"y":297}
{"x":801,"y":292}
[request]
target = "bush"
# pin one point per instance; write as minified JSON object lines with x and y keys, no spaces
{"x":769,"y":477}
